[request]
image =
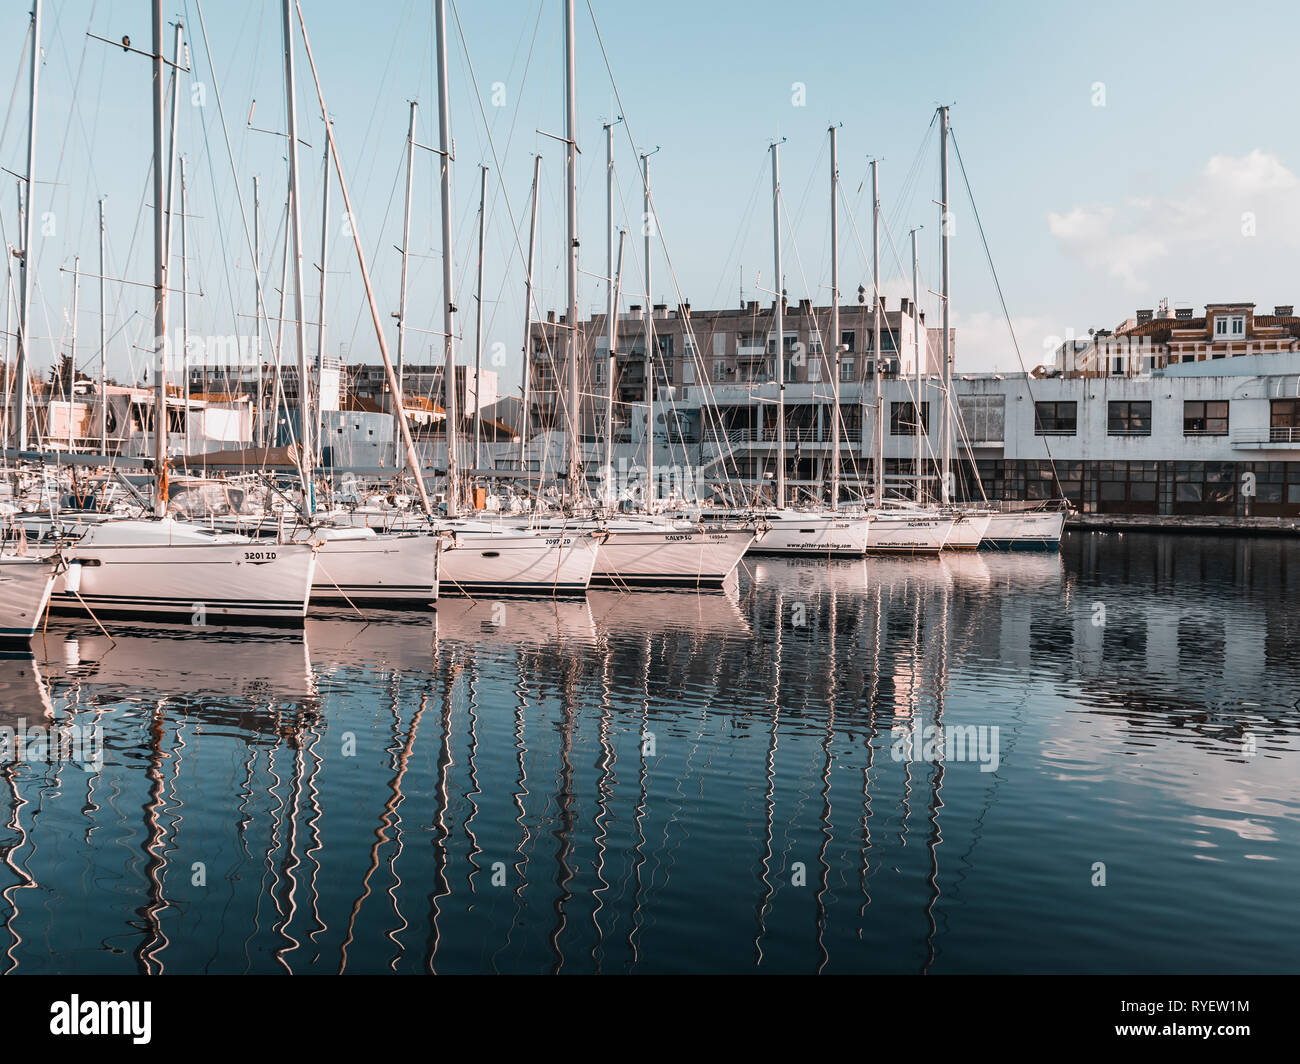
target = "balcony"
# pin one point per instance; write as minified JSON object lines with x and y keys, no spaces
{"x":1275,"y":437}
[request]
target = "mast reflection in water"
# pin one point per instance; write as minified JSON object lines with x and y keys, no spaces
{"x":891,"y":765}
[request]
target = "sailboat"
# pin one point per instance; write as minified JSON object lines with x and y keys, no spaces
{"x":481,"y":557}
{"x":25,"y":585}
{"x":164,"y":569}
{"x":644,"y":550}
{"x":814,"y":531}
{"x":981,"y":527}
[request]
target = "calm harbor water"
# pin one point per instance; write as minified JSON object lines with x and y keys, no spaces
{"x":684,"y":783}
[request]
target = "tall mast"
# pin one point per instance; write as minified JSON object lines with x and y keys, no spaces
{"x":609,"y":384}
{"x":945,"y":439}
{"x":526,"y":411}
{"x":371,"y":302}
{"x":611,"y":307}
{"x":478,"y":322}
{"x":448,"y":291}
{"x":401,"y":304}
{"x":295,"y":223}
{"x":324,"y":273}
{"x":6,"y":412}
{"x":278,"y":390}
{"x":916,"y":359}
{"x":103,"y":343}
{"x":259,"y":426}
{"x":185,"y":314}
{"x":172,"y":127}
{"x":571,"y":221}
{"x":835,"y":324}
{"x":25,"y":298}
{"x":878,"y":465}
{"x":72,"y":349}
{"x":780,"y":326}
{"x":647,"y":228}
{"x":159,"y":273}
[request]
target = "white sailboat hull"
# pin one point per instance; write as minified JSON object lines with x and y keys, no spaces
{"x":1025,"y":530}
{"x":505,"y":563}
{"x":828,"y":535}
{"x":214,"y":583}
{"x":908,"y":534}
{"x":669,"y":557}
{"x":25,"y":588}
{"x":968,"y":531}
{"x":385,"y":571}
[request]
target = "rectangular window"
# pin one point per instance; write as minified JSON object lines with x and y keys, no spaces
{"x":665,"y":367}
{"x":1128,"y":417}
{"x":1284,"y":421}
{"x":815,"y":369}
{"x":902,"y":419}
{"x":847,"y":339}
{"x":1220,"y":326}
{"x":847,"y":367}
{"x":688,"y":370}
{"x":1284,"y":413}
{"x":982,"y":417}
{"x":888,"y":341}
{"x":1056,"y":418}
{"x":1239,"y":326}
{"x":719,"y":370}
{"x":1208,"y":418}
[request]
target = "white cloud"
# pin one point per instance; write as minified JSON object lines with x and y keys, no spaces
{"x":984,"y":342}
{"x":1239,"y":208}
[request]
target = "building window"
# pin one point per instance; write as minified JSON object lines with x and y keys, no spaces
{"x":902,"y":419}
{"x":688,"y":370}
{"x":888,"y":340}
{"x":1284,"y":421}
{"x":815,"y":369}
{"x":983,"y":417}
{"x":815,"y":345}
{"x":1056,"y":419}
{"x":1128,"y":487}
{"x":847,"y":340}
{"x":1220,"y":326}
{"x":719,"y":370}
{"x":1127,"y":417}
{"x":1239,"y":326}
{"x":847,"y":366}
{"x":1204,"y":487}
{"x":1205,"y":418}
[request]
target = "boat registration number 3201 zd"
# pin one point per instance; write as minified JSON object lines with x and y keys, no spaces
{"x":256,"y":556}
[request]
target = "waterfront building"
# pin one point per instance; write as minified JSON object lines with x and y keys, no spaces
{"x":1167,"y":414}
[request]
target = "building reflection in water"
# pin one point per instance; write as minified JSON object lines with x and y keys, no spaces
{"x":676,"y":782}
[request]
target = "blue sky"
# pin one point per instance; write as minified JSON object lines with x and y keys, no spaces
{"x":1118,"y":153}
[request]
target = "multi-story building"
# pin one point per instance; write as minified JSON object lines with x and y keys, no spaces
{"x":1167,"y":415}
{"x":1153,"y":340}
{"x":697,"y":353}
